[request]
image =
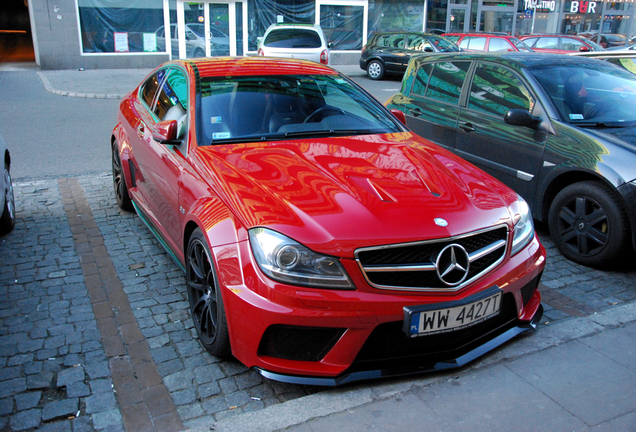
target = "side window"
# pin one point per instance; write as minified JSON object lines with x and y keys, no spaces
{"x":149,"y":88}
{"x":495,"y":90}
{"x":548,"y":43}
{"x":416,"y":43}
{"x":464,"y":43}
{"x":497,"y":44}
{"x":447,"y":80}
{"x":391,"y":40}
{"x":530,"y":41}
{"x":571,"y":44}
{"x":172,"y":101}
{"x":421,"y":79}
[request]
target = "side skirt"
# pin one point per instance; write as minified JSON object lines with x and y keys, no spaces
{"x":158,"y":236}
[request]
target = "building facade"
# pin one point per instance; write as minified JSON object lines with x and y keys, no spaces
{"x":69,"y":34}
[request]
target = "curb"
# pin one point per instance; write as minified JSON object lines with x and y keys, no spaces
{"x":49,"y":88}
{"x":298,"y":411}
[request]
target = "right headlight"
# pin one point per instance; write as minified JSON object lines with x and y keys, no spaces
{"x":524,"y":228}
{"x":287,"y":261}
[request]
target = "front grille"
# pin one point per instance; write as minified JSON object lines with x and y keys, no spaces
{"x":411,"y":266}
{"x":388,"y":347}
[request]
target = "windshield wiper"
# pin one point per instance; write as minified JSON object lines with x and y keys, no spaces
{"x":295,"y":134}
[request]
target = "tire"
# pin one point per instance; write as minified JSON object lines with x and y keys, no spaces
{"x":206,"y":301}
{"x":588,"y":224}
{"x":119,"y":181}
{"x":375,"y":70}
{"x":198,"y":53}
{"x":7,"y":219}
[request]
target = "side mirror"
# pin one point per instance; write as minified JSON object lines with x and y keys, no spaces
{"x":428,"y":49}
{"x":584,"y":49}
{"x":521,"y":117}
{"x":330,"y":45}
{"x":165,"y":132}
{"x":399,"y":115}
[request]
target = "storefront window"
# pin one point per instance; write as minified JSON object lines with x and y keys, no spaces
{"x":393,"y":15}
{"x":263,"y":13}
{"x":120,"y":26}
{"x":342,"y":26}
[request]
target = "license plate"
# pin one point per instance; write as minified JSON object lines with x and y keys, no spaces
{"x":425,"y":320}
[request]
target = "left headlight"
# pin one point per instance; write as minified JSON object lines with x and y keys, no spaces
{"x":524,"y":228}
{"x":287,"y":261}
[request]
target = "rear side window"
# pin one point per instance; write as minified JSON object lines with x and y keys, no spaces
{"x":495,"y":90}
{"x":421,"y":79}
{"x":446,"y":81}
{"x":547,"y":43}
{"x":293,"y":38}
{"x":391,"y":40}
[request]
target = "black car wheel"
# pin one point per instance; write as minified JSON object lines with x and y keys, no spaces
{"x":206,"y":302}
{"x":588,"y":224}
{"x":375,"y":70}
{"x":119,"y":182}
{"x":7,"y":220}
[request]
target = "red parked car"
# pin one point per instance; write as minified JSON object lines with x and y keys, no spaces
{"x":322,"y":242}
{"x":560,"y":44}
{"x":490,"y":42}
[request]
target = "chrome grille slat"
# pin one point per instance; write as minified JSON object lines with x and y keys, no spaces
{"x":411,"y":266}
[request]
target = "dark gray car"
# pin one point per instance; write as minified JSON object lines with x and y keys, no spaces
{"x":559,"y":130}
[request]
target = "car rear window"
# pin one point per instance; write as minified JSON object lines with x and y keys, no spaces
{"x":293,"y":38}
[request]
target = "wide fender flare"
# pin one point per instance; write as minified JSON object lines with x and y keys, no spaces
{"x":120,"y":137}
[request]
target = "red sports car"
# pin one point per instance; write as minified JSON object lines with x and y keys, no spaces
{"x":322,"y":242}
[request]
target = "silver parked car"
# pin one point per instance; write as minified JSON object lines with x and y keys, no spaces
{"x":301,"y":41}
{"x":7,"y":200}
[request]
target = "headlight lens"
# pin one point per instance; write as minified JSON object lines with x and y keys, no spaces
{"x":287,"y":261}
{"x":524,"y":228}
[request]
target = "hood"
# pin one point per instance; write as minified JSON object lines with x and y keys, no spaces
{"x":621,"y":136}
{"x":338,"y":194}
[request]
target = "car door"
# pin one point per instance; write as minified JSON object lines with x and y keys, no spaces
{"x":160,"y":164}
{"x":512,"y":154}
{"x":435,"y":101}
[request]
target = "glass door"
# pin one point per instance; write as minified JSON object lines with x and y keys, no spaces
{"x":210,"y":29}
{"x":456,"y":21}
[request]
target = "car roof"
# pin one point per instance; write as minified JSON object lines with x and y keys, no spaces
{"x":516,"y":59}
{"x":480,"y":34}
{"x":246,"y":66}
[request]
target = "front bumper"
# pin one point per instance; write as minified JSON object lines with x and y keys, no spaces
{"x":329,"y":337}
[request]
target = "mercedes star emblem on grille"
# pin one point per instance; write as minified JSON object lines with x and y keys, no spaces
{"x":452,"y":264}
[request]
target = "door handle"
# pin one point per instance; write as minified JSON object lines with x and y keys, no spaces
{"x":141,"y":129}
{"x":416,"y":112}
{"x":466,"y":127}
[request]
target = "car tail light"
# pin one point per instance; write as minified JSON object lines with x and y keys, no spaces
{"x":260,"y":52}
{"x":324,"y":57}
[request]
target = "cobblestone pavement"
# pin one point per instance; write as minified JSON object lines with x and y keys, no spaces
{"x":95,"y":332}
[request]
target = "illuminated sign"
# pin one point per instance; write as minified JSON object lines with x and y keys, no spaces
{"x":540,"y":4}
{"x":583,"y":7}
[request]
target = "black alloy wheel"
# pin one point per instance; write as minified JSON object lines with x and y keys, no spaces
{"x":7,"y":217}
{"x":588,"y":224}
{"x":119,"y":182}
{"x":206,"y":302}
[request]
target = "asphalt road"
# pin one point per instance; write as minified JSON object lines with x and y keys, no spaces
{"x":52,"y":136}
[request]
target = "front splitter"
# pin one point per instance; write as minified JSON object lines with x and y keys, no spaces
{"x":458,"y":362}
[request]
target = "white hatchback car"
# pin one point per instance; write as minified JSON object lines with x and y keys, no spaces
{"x":300,"y":41}
{"x":7,"y":201}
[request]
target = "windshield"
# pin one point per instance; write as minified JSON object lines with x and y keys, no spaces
{"x":255,"y":108}
{"x":590,"y":94}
